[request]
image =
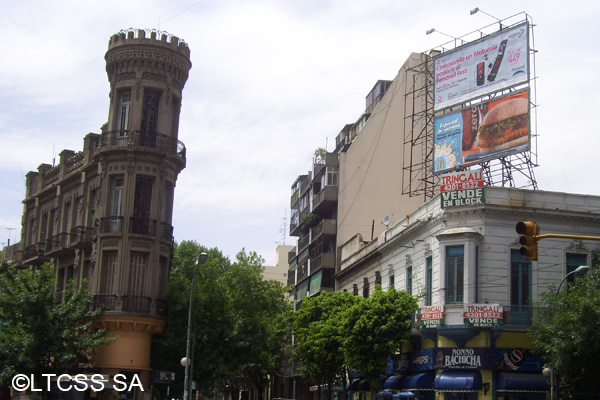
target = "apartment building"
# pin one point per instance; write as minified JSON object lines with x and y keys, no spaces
{"x":104,"y":213}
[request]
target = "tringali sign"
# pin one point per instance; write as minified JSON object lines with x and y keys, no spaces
{"x":462,"y":188}
{"x":483,"y":315}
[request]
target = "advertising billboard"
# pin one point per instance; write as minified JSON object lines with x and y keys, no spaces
{"x":488,"y":130}
{"x":485,"y":66}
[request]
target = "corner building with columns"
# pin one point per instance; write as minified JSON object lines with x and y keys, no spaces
{"x":104,"y":213}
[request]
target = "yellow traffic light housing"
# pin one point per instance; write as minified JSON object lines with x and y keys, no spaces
{"x":529,"y":232}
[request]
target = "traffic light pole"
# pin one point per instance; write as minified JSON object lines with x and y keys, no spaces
{"x":557,"y":235}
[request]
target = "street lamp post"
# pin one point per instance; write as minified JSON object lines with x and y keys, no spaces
{"x":580,"y":269}
{"x":186,"y":361}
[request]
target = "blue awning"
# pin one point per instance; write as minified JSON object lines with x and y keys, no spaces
{"x":386,"y":394}
{"x":393,"y":382}
{"x":359,"y":385}
{"x":521,"y":382}
{"x":404,"y":395}
{"x":458,"y":381}
{"x":421,"y":381}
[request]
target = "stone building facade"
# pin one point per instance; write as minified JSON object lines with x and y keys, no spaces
{"x":104,"y":214}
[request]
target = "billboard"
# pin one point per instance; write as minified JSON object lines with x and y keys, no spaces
{"x":485,"y":66}
{"x":484,"y":131}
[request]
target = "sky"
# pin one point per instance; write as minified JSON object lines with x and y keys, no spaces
{"x":271,"y":81}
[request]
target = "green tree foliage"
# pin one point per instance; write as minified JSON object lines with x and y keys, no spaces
{"x":319,"y":333}
{"x":238,"y":320}
{"x":339,"y":331}
{"x":566,"y":333}
{"x":376,"y":329}
{"x":44,"y":331}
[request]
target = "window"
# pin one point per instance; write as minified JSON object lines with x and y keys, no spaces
{"x":142,"y":205}
{"x":137,"y":274}
{"x":573,"y":262}
{"x":520,"y":280}
{"x":409,"y":280}
{"x":428,"y":280}
{"x":123,"y":114}
{"x":455,"y":266}
{"x":366,"y":288}
{"x":109,"y":269}
{"x":150,"y":109}
{"x":117,"y":197}
{"x":391,"y":280}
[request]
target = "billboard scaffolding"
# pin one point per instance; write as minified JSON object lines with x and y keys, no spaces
{"x":442,"y":100}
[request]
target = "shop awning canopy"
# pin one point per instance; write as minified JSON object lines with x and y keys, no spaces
{"x":391,"y":395}
{"x":458,"y":381}
{"x":394,"y":382}
{"x":421,"y":381}
{"x":359,"y":385}
{"x":404,"y":395}
{"x":521,"y":382}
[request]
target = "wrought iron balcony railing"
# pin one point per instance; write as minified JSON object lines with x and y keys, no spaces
{"x":151,"y":140}
{"x":142,"y":226}
{"x":112,"y":224}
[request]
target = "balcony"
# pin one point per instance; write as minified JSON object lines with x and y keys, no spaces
{"x":291,"y":280}
{"x":303,"y":242}
{"x":58,"y":245}
{"x":325,"y":200}
{"x":291,"y":255}
{"x":325,"y":227}
{"x":80,"y":237}
{"x":142,"y":226}
{"x":131,"y":304}
{"x":518,"y":315}
{"x":137,"y":304}
{"x":166,"y":232}
{"x":111,"y":224}
{"x":149,"y":140}
{"x":324,"y":260}
{"x":34,"y":254}
{"x":108,"y":302}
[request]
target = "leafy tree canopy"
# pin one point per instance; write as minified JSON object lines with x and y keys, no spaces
{"x":238,"y":319}
{"x":566,"y":332}
{"x":319,"y":333}
{"x":43,"y":331}
{"x":377,"y":327}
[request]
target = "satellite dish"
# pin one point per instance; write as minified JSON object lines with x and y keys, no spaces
{"x":386,"y":220}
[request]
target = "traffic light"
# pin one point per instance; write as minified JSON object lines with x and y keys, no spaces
{"x":529,"y":232}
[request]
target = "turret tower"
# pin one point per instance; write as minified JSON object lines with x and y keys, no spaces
{"x":139,"y":157}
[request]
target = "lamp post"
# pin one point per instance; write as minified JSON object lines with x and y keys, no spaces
{"x":580,"y":269}
{"x":186,"y":361}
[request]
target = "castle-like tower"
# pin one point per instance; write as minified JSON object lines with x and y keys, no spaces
{"x":139,"y":158}
{"x":104,"y":214}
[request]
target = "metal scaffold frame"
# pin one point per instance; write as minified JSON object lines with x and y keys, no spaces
{"x":418,"y":178}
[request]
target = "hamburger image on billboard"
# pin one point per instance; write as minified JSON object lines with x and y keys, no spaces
{"x":487,"y":130}
{"x":505,"y":126}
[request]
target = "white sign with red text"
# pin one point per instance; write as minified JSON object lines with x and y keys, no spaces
{"x":471,"y":179}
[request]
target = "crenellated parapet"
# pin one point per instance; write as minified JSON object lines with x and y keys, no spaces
{"x":150,"y":55}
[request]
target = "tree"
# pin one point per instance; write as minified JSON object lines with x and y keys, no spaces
{"x":261,"y":317}
{"x":377,"y":327}
{"x":238,"y":320}
{"x":566,"y":333}
{"x":44,"y":331}
{"x":319,"y":333}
